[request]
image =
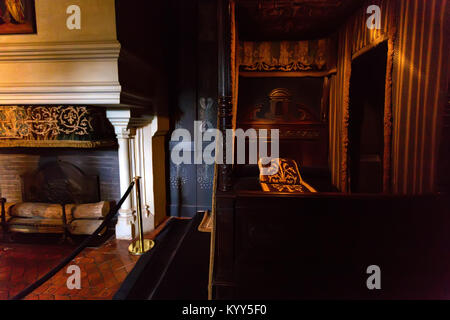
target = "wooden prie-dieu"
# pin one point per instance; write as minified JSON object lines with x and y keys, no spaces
{"x":317,"y":245}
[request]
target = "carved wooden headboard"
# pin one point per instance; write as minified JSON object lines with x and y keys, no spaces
{"x":60,"y":182}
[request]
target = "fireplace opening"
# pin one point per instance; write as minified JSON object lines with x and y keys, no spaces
{"x":57,"y":197}
{"x":18,"y":167}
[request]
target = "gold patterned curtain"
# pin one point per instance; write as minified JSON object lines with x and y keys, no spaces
{"x":355,"y":39}
{"x":286,"y":56}
{"x":54,"y":126}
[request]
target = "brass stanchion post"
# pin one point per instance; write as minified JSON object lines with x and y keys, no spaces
{"x":141,"y":245}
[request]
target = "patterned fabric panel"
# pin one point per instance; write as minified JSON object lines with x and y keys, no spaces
{"x":54,"y":126}
{"x":286,"y":56}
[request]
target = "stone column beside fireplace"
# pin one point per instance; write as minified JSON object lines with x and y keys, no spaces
{"x":120,"y":120}
{"x":141,"y":153}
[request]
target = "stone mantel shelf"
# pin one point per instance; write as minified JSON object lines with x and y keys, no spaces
{"x":68,"y":93}
{"x":60,"y":51}
{"x":28,"y":72}
{"x":67,"y":72}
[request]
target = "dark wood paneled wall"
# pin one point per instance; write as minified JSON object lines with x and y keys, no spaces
{"x":192,"y":97}
{"x":319,"y":246}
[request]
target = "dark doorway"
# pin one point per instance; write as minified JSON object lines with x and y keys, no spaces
{"x":366,"y":129}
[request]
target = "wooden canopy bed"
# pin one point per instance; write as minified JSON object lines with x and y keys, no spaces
{"x":273,"y":244}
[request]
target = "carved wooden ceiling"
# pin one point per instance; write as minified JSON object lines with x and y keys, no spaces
{"x":292,"y":19}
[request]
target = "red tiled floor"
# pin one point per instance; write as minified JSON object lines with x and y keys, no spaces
{"x":103,"y":269}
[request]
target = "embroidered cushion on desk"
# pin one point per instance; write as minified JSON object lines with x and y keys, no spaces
{"x":282,"y":175}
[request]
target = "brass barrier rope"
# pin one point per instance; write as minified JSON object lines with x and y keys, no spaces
{"x":85,"y":243}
